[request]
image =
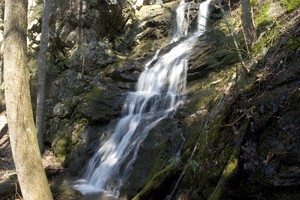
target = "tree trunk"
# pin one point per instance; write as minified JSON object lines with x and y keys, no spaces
{"x":26,"y":154}
{"x":40,"y":113}
{"x":247,"y":23}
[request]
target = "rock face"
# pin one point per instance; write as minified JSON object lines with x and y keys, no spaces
{"x":74,"y":102}
{"x":236,"y":136}
{"x":271,"y":154}
{"x":162,"y":144}
{"x":90,"y":70}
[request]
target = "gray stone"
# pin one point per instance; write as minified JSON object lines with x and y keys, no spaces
{"x":61,"y":110}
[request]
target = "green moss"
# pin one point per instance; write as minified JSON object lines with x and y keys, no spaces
{"x":61,"y":147}
{"x":160,"y":158}
{"x":292,"y":44}
{"x":156,"y":183}
{"x":227,"y":174}
{"x":291,"y":4}
{"x":61,"y":191}
{"x":216,"y":155}
{"x":210,"y":140}
{"x":253,"y":2}
{"x":262,"y":18}
{"x":69,"y":135}
{"x":232,"y":164}
{"x":231,"y":167}
{"x":205,"y":96}
{"x":267,"y":41}
{"x":204,"y":93}
{"x":93,"y":94}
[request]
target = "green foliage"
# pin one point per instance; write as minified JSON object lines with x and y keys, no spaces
{"x":193,"y":165}
{"x":267,"y":41}
{"x":94,"y":94}
{"x":253,"y":2}
{"x":262,"y":17}
{"x":291,"y":4}
{"x":175,"y":161}
{"x":292,"y":44}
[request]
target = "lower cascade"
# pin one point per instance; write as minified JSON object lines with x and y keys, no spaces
{"x":157,"y":96}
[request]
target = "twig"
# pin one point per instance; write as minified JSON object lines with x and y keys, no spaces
{"x":231,"y":33}
{"x":16,"y":192}
{"x":238,"y":119}
{"x":196,"y":147}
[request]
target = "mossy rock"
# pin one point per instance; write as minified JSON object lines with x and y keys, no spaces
{"x":61,"y":191}
{"x":159,"y":186}
{"x":62,"y":145}
{"x":67,"y":136}
{"x":160,"y":145}
{"x":102,"y":104}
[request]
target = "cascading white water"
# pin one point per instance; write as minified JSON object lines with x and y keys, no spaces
{"x":182,"y":25}
{"x":157,"y":96}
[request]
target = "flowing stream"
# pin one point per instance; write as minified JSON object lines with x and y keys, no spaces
{"x":157,"y":96}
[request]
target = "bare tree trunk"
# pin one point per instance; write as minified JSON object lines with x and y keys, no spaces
{"x":26,"y":154}
{"x":247,"y":23}
{"x":1,"y":52}
{"x":40,"y":113}
{"x":81,"y":40}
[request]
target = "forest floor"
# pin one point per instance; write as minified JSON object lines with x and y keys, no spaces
{"x":8,"y":181}
{"x":7,"y":167}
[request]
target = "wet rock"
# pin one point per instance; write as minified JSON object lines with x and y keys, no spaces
{"x":84,"y":149}
{"x":61,"y":191}
{"x":128,"y":72}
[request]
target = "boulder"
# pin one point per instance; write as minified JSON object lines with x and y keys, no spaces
{"x":102,"y":104}
{"x":160,"y":146}
{"x":125,"y":72}
{"x":92,"y":56}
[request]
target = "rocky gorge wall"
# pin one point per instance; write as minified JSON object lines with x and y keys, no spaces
{"x":237,"y":134}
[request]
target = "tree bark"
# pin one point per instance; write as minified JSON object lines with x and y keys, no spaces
{"x":247,"y":23}
{"x":26,"y":154}
{"x":40,"y":113}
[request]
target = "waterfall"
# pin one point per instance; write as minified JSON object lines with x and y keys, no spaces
{"x":182,"y":25}
{"x":157,"y":96}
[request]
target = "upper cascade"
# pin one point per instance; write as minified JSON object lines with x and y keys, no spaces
{"x":158,"y":95}
{"x":182,"y":23}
